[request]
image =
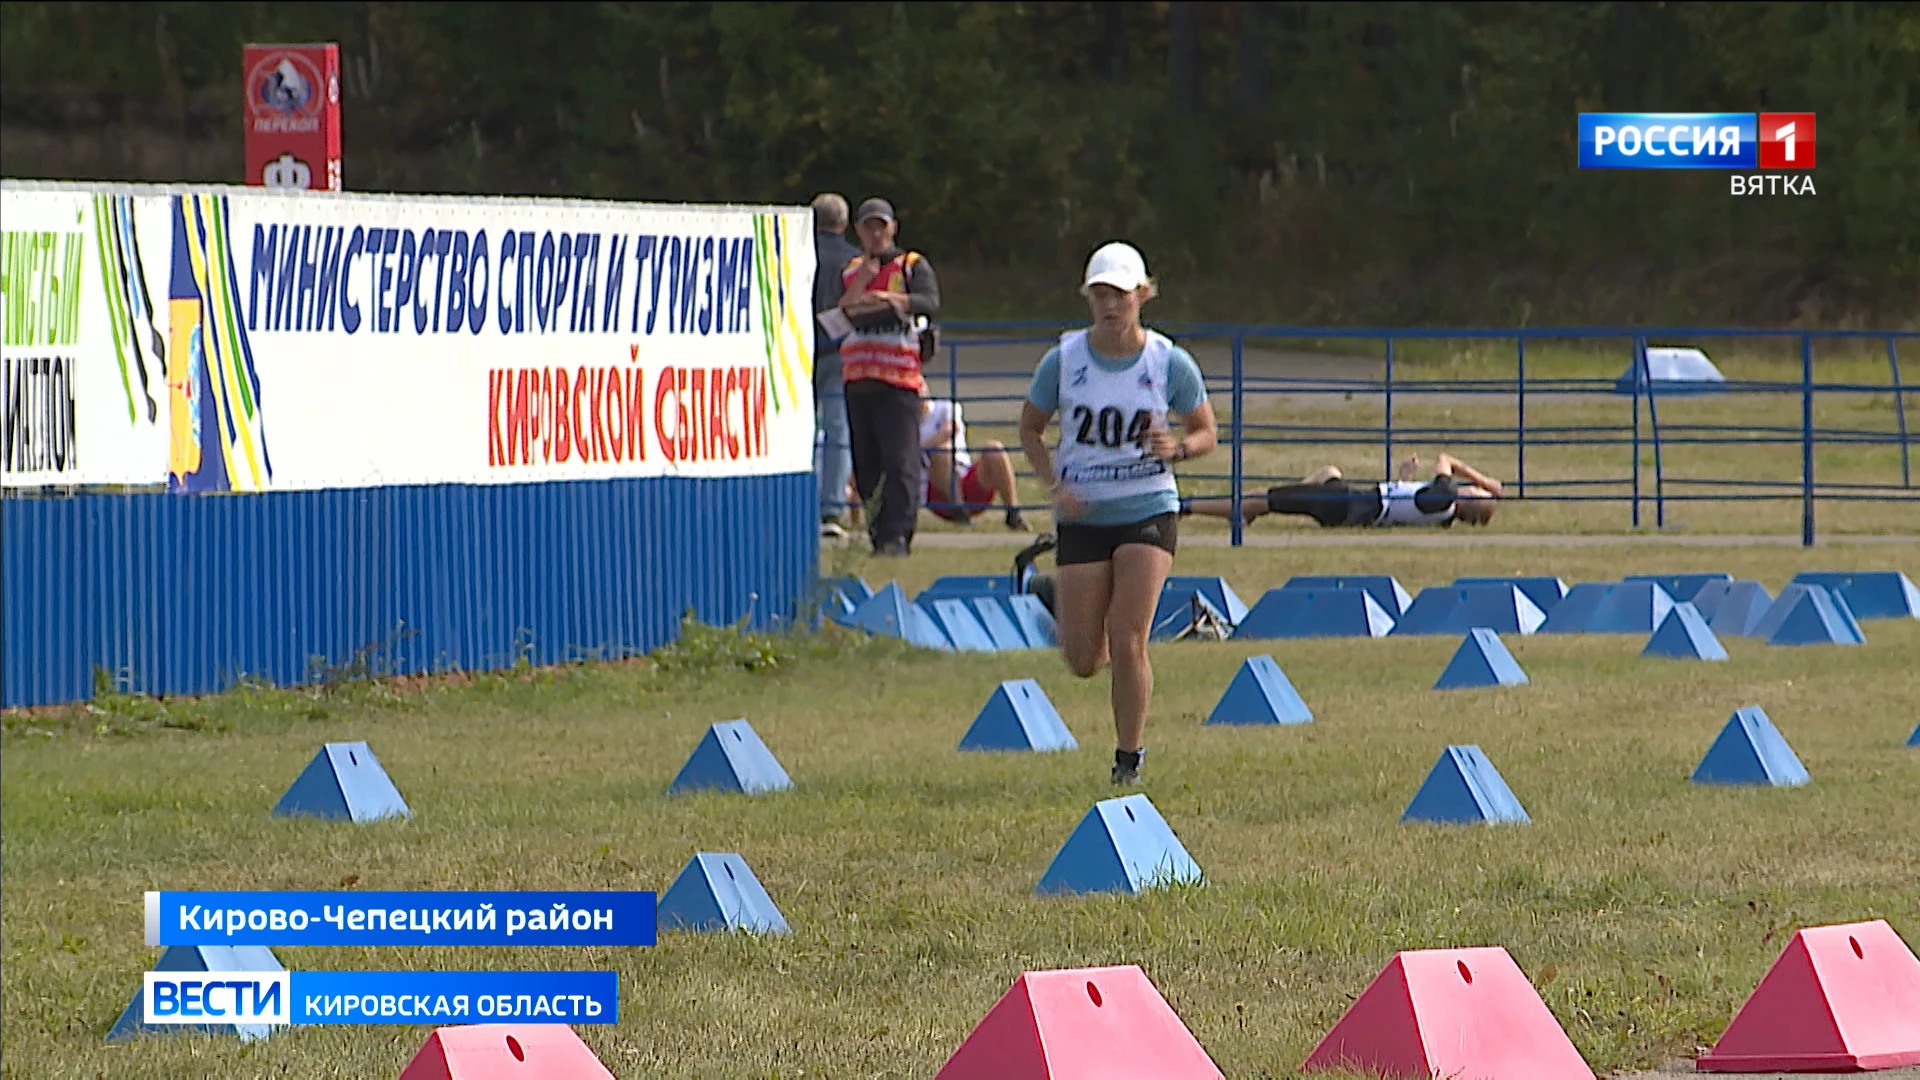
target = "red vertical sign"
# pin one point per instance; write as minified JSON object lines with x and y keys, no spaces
{"x":293,"y":116}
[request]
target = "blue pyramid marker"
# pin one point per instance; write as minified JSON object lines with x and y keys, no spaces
{"x":838,"y":606}
{"x":1276,"y":614}
{"x":1456,"y":609}
{"x":1018,"y":717}
{"x":1732,"y":608}
{"x":1179,"y":611}
{"x":1776,"y":613}
{"x":853,"y":587}
{"x":1502,"y":608}
{"x":1035,"y":621}
{"x":1318,"y":612}
{"x":1545,"y":592}
{"x":1464,"y":788}
{"x":211,"y":958}
{"x":1914,"y":739}
{"x":964,"y":587}
{"x":995,"y":616}
{"x":343,"y":782}
{"x":1429,"y":612}
{"x":731,"y":757}
{"x":1750,"y":750}
{"x":1847,"y":619}
{"x":1808,"y":615}
{"x":1871,"y":594}
{"x":1386,"y":590}
{"x":1215,"y":589}
{"x":1575,"y":611}
{"x":1630,"y":607}
{"x":1707,"y":600}
{"x":1122,"y":845}
{"x":957,"y":620}
{"x":1681,"y":586}
{"x":1741,"y":610}
{"x":1835,"y":619}
{"x":837,"y":601}
{"x":1343,"y":613}
{"x":1684,"y":635}
{"x":1260,"y":693}
{"x":718,"y":891}
{"x":1481,"y":660}
{"x":888,"y":613}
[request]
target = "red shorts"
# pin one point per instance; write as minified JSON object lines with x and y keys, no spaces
{"x":975,"y":495}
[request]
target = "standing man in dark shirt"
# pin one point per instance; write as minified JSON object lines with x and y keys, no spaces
{"x":833,"y":464}
{"x":891,"y":298}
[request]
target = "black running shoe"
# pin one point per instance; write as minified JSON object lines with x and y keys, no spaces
{"x":1126,"y":766}
{"x":1024,"y":559}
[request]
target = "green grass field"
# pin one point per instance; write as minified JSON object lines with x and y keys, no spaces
{"x":1642,"y":907}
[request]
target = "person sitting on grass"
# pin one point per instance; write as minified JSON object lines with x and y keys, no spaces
{"x":943,"y":442}
{"x":1339,"y":503}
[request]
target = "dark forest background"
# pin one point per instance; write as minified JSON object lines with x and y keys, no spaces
{"x":1278,"y":162}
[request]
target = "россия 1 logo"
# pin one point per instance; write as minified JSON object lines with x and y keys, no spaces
{"x":1739,"y":141}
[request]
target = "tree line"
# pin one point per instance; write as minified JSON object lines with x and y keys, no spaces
{"x":1278,"y":162}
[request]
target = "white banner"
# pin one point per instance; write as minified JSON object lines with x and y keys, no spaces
{"x":84,"y":397}
{"x":314,"y":339}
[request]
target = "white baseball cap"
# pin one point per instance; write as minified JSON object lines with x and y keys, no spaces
{"x":1117,"y":264}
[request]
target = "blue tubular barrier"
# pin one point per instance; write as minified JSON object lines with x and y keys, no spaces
{"x":1532,"y":432}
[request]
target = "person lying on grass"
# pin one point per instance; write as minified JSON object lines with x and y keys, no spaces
{"x":1336,"y":502}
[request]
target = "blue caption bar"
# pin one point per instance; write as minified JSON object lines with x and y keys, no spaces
{"x":453,"y":997}
{"x":1669,"y":140}
{"x":400,"y":918}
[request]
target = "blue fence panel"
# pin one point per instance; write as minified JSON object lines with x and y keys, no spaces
{"x":1524,"y":436}
{"x":185,"y":594}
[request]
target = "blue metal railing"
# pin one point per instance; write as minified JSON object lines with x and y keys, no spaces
{"x":1526,"y":434}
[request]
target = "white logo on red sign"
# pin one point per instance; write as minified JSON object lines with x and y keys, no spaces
{"x":287,"y":172}
{"x":284,"y":84}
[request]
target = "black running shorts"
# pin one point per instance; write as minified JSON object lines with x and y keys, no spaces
{"x":1097,"y":543}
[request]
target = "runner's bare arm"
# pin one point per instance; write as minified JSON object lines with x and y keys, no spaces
{"x":1202,"y":433}
{"x":1033,"y":440}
